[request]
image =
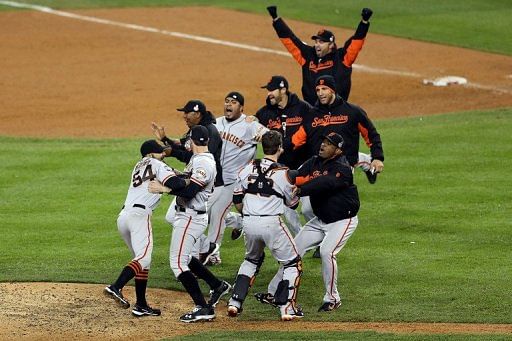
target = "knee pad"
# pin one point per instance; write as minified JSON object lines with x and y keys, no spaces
{"x":281,"y":295}
{"x":241,"y":288}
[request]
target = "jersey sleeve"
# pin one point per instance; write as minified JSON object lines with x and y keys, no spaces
{"x":287,"y":188}
{"x":370,"y":135}
{"x":162,"y":170}
{"x":202,"y":172}
{"x":354,"y":44}
{"x":297,"y":48}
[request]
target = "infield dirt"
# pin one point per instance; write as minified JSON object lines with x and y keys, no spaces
{"x":63,"y":77}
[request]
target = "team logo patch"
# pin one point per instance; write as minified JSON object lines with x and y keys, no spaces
{"x":201,"y":172}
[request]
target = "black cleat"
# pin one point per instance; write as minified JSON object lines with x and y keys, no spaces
{"x":205,"y":257}
{"x":117,"y":295}
{"x":329,"y":306}
{"x":291,"y":312}
{"x":316,"y":254}
{"x":265,"y":298}
{"x":139,"y":311}
{"x":372,"y":176}
{"x":236,"y":233}
{"x":199,"y":314}
{"x":215,"y":295}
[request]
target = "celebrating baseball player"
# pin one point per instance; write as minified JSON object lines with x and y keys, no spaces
{"x":195,"y":113}
{"x":327,"y":180}
{"x":134,"y":225}
{"x":262,"y":190}
{"x":190,"y":223}
{"x":285,"y":112}
{"x":239,"y":141}
{"x":324,"y":58}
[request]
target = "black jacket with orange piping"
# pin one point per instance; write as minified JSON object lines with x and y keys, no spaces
{"x":292,"y":115}
{"x":338,"y":63}
{"x":330,"y":187}
{"x":343,"y":118}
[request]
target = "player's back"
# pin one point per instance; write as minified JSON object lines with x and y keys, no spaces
{"x":144,"y":171}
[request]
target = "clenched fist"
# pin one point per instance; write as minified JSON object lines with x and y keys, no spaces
{"x":272,"y":10}
{"x":366,"y":14}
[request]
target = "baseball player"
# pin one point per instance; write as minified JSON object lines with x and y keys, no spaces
{"x":327,"y":180}
{"x":285,"y":112}
{"x":324,"y":58}
{"x":195,"y":113}
{"x":189,"y":224}
{"x":134,"y":225}
{"x":239,"y":142}
{"x":262,"y":190}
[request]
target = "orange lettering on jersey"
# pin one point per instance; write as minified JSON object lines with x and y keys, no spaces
{"x":321,"y":66}
{"x":294,"y":121}
{"x":329,"y":119}
{"x":274,"y":124}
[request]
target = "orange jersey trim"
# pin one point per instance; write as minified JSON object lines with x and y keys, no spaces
{"x":294,"y":50}
{"x":352,"y":52}
{"x":299,"y":138}
{"x":301,"y":180}
{"x":364,"y":133}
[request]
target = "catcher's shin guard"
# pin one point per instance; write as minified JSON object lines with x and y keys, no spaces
{"x":241,"y":288}
{"x":281,"y":296}
{"x":282,"y":293}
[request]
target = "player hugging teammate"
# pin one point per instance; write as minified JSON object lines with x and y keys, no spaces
{"x":311,"y":148}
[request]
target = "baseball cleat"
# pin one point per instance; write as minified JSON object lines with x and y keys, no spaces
{"x":236,"y":233}
{"x":215,"y":295}
{"x":329,"y":306}
{"x":117,"y":295}
{"x":265,"y":298}
{"x":372,"y":176}
{"x":213,"y":260}
{"x":204,"y":258}
{"x":139,"y":311}
{"x":290,"y":312}
{"x":234,"y":311}
{"x":199,"y":314}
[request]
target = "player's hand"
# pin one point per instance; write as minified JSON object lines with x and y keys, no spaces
{"x":158,"y":131}
{"x":156,"y":187}
{"x":272,"y":10}
{"x":296,"y":191}
{"x":251,"y":118}
{"x":167,"y":151}
{"x":366,"y":14}
{"x":376,"y":166}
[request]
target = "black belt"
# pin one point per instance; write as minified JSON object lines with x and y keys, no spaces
{"x":138,"y":205}
{"x":261,"y":215}
{"x":183,"y":209}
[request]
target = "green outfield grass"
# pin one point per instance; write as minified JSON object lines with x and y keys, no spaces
{"x":476,"y":24}
{"x":433,"y":244}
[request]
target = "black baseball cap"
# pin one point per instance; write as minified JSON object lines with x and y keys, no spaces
{"x":193,"y":105}
{"x":327,"y":81}
{"x":324,"y":35}
{"x":199,"y":134}
{"x":236,"y":96}
{"x":150,"y":146}
{"x":276,"y":82}
{"x":335,"y":139}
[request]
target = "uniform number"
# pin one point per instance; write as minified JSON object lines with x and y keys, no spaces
{"x":146,"y":175}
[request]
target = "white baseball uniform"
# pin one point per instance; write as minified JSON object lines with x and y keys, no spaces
{"x":239,"y":142}
{"x":134,"y":221}
{"x":190,"y":218}
{"x":263,"y":225}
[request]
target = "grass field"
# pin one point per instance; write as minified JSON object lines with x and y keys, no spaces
{"x":476,"y":24}
{"x":433,"y":242}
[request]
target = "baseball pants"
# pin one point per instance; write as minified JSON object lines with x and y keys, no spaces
{"x":331,"y":238}
{"x":187,"y":228}
{"x":218,"y":207}
{"x":134,"y":225}
{"x":270,"y":231}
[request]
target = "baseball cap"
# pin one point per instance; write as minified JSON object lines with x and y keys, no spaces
{"x":194,"y":105}
{"x":334,"y":138}
{"x":150,"y":146}
{"x":236,"y":96}
{"x":276,"y":82}
{"x":327,"y":81}
{"x":324,"y":35}
{"x":199,"y":134}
